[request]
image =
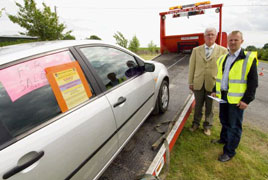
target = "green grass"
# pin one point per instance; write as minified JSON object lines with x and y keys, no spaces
{"x":148,"y":56}
{"x":20,"y":41}
{"x":194,"y":158}
{"x":263,"y":61}
{"x":146,"y":48}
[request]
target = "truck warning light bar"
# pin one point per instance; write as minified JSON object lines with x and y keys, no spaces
{"x":189,"y":5}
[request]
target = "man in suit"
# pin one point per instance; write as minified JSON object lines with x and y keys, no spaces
{"x":202,"y":77}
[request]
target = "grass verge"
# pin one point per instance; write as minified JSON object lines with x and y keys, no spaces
{"x":148,"y":56}
{"x":194,"y":158}
{"x":263,"y":61}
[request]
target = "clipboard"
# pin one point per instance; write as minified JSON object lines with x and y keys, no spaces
{"x":217,"y":99}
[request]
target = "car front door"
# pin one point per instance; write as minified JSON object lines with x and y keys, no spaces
{"x":128,"y":88}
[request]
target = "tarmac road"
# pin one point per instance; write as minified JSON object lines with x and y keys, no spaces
{"x":257,"y":112}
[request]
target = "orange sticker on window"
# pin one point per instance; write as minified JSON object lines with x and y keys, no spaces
{"x":68,"y":84}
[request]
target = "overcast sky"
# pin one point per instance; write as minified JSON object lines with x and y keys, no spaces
{"x":141,"y":18}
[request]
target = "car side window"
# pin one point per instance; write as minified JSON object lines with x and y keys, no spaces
{"x":26,"y":97}
{"x":112,"y":65}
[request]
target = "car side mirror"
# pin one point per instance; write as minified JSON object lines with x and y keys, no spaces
{"x":148,"y":67}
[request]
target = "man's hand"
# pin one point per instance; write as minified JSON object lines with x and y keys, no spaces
{"x":242,"y":105}
{"x":191,"y":87}
{"x":213,"y":94}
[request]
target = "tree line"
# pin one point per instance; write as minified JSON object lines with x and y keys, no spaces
{"x":133,"y":44}
{"x":44,"y":24}
{"x":262,"y":52}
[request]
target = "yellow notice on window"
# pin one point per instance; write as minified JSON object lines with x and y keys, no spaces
{"x":68,"y":84}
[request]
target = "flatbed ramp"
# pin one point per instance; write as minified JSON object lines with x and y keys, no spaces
{"x":136,"y":158}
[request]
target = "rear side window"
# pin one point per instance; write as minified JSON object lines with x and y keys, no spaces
{"x":112,"y":65}
{"x":26,"y":98}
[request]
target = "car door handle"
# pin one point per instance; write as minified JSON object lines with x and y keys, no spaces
{"x":19,"y":168}
{"x":121,"y":100}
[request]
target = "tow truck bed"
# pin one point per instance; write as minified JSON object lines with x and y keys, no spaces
{"x":137,"y":156}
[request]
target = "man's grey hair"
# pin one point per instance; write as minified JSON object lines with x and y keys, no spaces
{"x":210,"y":29}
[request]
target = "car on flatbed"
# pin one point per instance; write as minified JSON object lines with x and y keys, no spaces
{"x":67,"y":108}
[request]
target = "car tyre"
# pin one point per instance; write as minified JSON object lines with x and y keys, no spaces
{"x":162,"y":101}
{"x":163,"y":97}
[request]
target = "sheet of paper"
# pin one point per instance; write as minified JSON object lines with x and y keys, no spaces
{"x":71,"y":87}
{"x":217,"y":99}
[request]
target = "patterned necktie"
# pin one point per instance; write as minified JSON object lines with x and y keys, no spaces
{"x":208,"y":52}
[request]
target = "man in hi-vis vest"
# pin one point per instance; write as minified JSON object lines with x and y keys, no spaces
{"x":236,"y":83}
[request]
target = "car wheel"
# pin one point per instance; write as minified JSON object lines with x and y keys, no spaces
{"x":162,"y":101}
{"x":163,"y":97}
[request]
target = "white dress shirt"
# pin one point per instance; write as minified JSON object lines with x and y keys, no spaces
{"x":229,"y":61}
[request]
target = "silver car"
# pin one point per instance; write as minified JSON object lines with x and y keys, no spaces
{"x":67,"y":108}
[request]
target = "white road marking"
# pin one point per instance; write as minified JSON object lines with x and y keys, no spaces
{"x":176,"y":62}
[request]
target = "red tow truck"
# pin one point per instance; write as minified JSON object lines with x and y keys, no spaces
{"x":185,"y":42}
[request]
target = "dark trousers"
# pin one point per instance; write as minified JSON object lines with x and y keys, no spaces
{"x":201,"y":98}
{"x":231,"y":118}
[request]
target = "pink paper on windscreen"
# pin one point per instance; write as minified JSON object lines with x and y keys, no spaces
{"x":25,"y":77}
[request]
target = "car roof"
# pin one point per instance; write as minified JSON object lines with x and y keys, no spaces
{"x":20,"y":51}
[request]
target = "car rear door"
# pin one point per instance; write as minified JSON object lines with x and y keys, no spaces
{"x":37,"y":140}
{"x":128,"y":88}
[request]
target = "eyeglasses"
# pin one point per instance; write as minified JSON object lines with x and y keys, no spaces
{"x":210,"y":35}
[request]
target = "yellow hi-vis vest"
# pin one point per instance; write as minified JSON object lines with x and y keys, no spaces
{"x":238,"y":74}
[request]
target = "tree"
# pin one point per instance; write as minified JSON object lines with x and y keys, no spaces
{"x":134,"y":44}
{"x":120,"y":39}
{"x":260,"y":52}
{"x":265,"y":46}
{"x":251,"y":48}
{"x":94,"y":37}
{"x":41,"y":23}
{"x":68,"y":36}
{"x":265,"y":55}
{"x":1,"y":11}
{"x":152,"y":47}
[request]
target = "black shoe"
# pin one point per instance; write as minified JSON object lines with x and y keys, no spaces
{"x":194,"y":127}
{"x":224,"y":158}
{"x":217,"y":141}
